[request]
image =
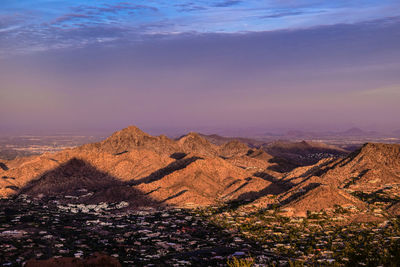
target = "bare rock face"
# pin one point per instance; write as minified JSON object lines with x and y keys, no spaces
{"x":132,"y":138}
{"x":96,"y":260}
{"x":233,"y":148}
{"x":195,"y":144}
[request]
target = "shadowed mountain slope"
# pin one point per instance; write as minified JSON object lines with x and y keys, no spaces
{"x":77,"y":179}
{"x":128,"y":166}
{"x":3,"y":166}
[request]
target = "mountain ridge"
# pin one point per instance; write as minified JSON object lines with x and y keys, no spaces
{"x":190,"y":171}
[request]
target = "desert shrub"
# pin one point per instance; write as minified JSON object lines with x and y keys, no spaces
{"x":235,"y":262}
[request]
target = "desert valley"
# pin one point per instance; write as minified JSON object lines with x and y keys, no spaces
{"x":139,"y":199}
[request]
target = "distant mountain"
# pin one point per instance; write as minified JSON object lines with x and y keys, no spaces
{"x":291,"y":134}
{"x":273,"y":134}
{"x":357,"y":132}
{"x":219,"y":140}
{"x":354,"y":131}
{"x":299,"y":134}
{"x":304,"y":152}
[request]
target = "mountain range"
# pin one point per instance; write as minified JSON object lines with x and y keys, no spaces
{"x":158,"y":172}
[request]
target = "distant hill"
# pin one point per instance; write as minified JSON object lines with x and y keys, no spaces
{"x":304,"y":152}
{"x":219,"y":140}
{"x":357,"y":132}
{"x":299,"y":134}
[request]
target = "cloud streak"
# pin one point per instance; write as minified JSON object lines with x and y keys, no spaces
{"x":26,"y":27}
{"x":69,"y":17}
{"x":282,"y":14}
{"x":228,"y":3}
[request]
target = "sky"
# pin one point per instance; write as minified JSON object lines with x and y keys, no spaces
{"x":224,"y":66}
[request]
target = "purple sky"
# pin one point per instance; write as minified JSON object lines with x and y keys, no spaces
{"x":318,"y":76}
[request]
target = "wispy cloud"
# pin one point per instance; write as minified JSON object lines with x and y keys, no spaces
{"x":109,"y":8}
{"x":69,"y":17}
{"x":387,"y":91}
{"x":282,"y":14}
{"x":42,"y":23}
{"x":9,"y":28}
{"x":189,"y":7}
{"x":228,"y":3}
